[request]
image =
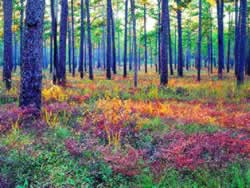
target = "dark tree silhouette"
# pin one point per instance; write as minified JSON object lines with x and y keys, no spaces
{"x":145,"y":39}
{"x":21,"y":29}
{"x":164,"y":43}
{"x":180,"y":50}
{"x":69,"y":48}
{"x":220,"y":12}
{"x":170,"y":44}
{"x":199,"y":44}
{"x":229,"y":43}
{"x":7,"y":8}
{"x":113,"y":41}
{"x":73,"y":38}
{"x":63,"y":41}
{"x":125,"y":40}
{"x":109,"y":59}
{"x":54,"y":32}
{"x":132,"y":2}
{"x":31,"y":69}
{"x":236,"y":36}
{"x":81,"y":40}
{"x":159,"y":34}
{"x":91,"y":76}
{"x":242,"y":42}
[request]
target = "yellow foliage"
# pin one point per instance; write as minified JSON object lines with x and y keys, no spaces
{"x":54,"y":93}
{"x":212,"y":2}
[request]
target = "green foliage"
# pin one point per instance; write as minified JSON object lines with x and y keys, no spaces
{"x":195,"y":128}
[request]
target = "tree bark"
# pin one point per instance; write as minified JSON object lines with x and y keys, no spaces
{"x":134,"y":42}
{"x":125,"y":40}
{"x":81,"y":41}
{"x":8,"y":58}
{"x":164,"y":44}
{"x":63,"y":42}
{"x":31,"y":69}
{"x":91,"y":76}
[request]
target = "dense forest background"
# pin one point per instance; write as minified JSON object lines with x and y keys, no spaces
{"x":113,"y":35}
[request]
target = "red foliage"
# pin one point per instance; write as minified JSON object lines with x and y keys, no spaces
{"x":11,"y":114}
{"x":126,"y":164}
{"x":73,"y":147}
{"x":192,"y":151}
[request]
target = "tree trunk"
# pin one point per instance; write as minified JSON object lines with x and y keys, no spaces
{"x":159,"y":35}
{"x":54,"y":32}
{"x":21,"y":29}
{"x":236,"y":37}
{"x":134,"y":42}
{"x":180,"y":53}
{"x":199,"y":44}
{"x":91,"y":76}
{"x":8,"y":58}
{"x":170,"y":44}
{"x":73,"y":38}
{"x":145,"y":40}
{"x":109,"y":58}
{"x":31,"y":69}
{"x":81,"y":40}
{"x":125,"y":40}
{"x":229,"y":43}
{"x":175,"y":48}
{"x":69,"y":48}
{"x":63,"y":42}
{"x":242,"y":42}
{"x":113,"y":39}
{"x":164,"y":43}
{"x":220,"y":10}
{"x":51,"y":53}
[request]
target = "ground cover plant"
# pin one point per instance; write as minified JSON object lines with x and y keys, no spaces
{"x":109,"y":134}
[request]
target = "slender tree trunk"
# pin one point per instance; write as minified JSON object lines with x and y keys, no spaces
{"x":51,"y":53}
{"x":229,"y":43}
{"x":145,"y":40}
{"x":8,"y":58}
{"x":125,"y":40}
{"x":81,"y":40}
{"x":180,"y":51}
{"x":159,"y":35}
{"x":175,"y":48}
{"x":91,"y":76}
{"x":220,"y":10}
{"x":211,"y":41}
{"x":109,"y":58}
{"x":21,"y":29}
{"x":15,"y":52}
{"x":69,"y":48}
{"x":54,"y":32}
{"x":31,"y":69}
{"x":130,"y":46}
{"x":170,"y":44}
{"x":63,"y":42}
{"x":236,"y":37}
{"x":164,"y":43}
{"x":73,"y":38}
{"x":119,"y":49}
{"x":113,"y":41}
{"x":104,"y":46}
{"x":199,"y":44}
{"x":134,"y":42}
{"x":188,"y":54}
{"x":248,"y":55}
{"x":242,"y":42}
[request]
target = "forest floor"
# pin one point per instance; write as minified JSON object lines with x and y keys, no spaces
{"x":108,"y":134}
